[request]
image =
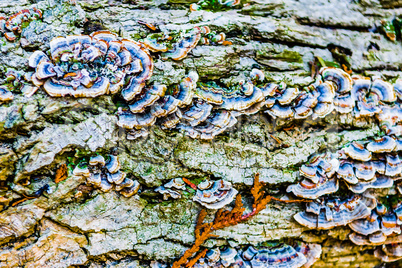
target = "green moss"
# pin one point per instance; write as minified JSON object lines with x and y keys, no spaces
{"x":390,"y":201}
{"x":285,"y":55}
{"x":198,"y":180}
{"x":213,"y":5}
{"x":148,"y":171}
{"x":388,"y":29}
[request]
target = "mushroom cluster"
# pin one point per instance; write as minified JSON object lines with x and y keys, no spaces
{"x":215,"y":194}
{"x":101,"y":63}
{"x":372,"y":223}
{"x":302,"y":255}
{"x":172,"y":189}
{"x":334,"y":90}
{"x":328,"y":213}
{"x":12,"y":27}
{"x":153,"y":104}
{"x":105,"y":174}
{"x":375,"y":163}
{"x":381,"y":228}
{"x":183,"y":41}
{"x":13,"y":80}
{"x":90,"y":66}
{"x":213,"y":5}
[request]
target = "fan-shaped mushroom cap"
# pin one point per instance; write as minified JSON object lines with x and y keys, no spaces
{"x":364,"y":226}
{"x":269,"y":90}
{"x":228,"y":256}
{"x":342,"y":80}
{"x":131,"y":190}
{"x":219,"y":194}
{"x":197,"y":113}
{"x":58,"y":46}
{"x":95,"y":179}
{"x":249,"y":253}
{"x":177,"y":183}
{"x":5,"y":94}
{"x":56,"y":89}
{"x":147,"y":98}
{"x":364,"y":109}
{"x":326,"y":92}
{"x":81,"y":170}
{"x":209,"y":94}
{"x":36,"y":58}
{"x":346,"y":172}
{"x":379,"y":183}
{"x":357,"y":151}
{"x":112,"y":165}
{"x":361,"y":87}
{"x":384,"y":90}
{"x":280,"y":111}
{"x":138,"y":81}
{"x":126,"y":183}
{"x":184,"y":46}
{"x":379,"y":166}
{"x":171,"y":120}
{"x":240,"y":103}
{"x":97,"y":160}
{"x":154,"y":45}
{"x":344,"y":103}
{"x":287,"y":96}
{"x":284,"y":256}
{"x":132,"y":89}
{"x":116,"y":178}
{"x":213,"y":255}
{"x":105,"y":186}
{"x":364,"y":171}
{"x":104,"y":35}
{"x":257,"y":74}
{"x":322,"y":109}
{"x":312,"y":252}
{"x":186,"y":90}
{"x":330,"y":217}
{"x":168,"y":193}
{"x":393,"y":166}
{"x":309,"y":190}
{"x":164,"y":106}
{"x":382,"y":145}
{"x":130,"y":120}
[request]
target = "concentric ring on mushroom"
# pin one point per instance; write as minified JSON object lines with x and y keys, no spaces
{"x":90,"y":66}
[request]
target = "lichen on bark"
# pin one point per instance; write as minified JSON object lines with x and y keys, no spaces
{"x":69,"y":223}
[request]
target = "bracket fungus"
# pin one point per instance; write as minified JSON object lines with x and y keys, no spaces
{"x":92,"y":65}
{"x":5,"y":94}
{"x":371,"y":164}
{"x":172,"y":189}
{"x":187,"y":42}
{"x":214,"y":5}
{"x":101,"y":63}
{"x":106,"y":175}
{"x":215,"y":194}
{"x":389,"y":253}
{"x":381,"y":227}
{"x":12,"y":26}
{"x":332,"y":213}
{"x":282,"y":255}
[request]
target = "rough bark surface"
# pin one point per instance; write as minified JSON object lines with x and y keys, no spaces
{"x":75,"y":226}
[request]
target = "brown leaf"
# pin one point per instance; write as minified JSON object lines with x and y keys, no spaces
{"x":61,"y":173}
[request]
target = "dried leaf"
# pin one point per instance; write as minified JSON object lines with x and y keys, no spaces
{"x":61,"y":173}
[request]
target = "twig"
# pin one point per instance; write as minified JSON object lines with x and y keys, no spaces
{"x":226,"y":218}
